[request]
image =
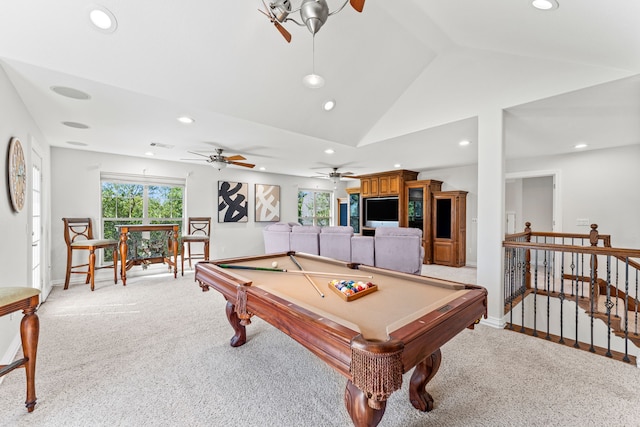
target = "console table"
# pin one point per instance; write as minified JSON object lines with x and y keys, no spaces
{"x":172,"y":243}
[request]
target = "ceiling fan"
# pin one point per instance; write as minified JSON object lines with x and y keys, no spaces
{"x":334,"y":175}
{"x":313,"y":13}
{"x":220,"y":162}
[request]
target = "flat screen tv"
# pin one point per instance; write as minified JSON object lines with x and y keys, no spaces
{"x":381,"y":211}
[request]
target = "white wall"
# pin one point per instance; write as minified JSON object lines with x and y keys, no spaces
{"x":598,"y":185}
{"x":537,"y":202}
{"x":76,"y":193}
{"x":15,"y":252}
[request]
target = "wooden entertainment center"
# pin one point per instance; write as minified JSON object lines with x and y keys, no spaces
{"x":441,"y":215}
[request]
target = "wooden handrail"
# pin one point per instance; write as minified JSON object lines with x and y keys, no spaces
{"x":597,"y":250}
{"x":520,"y":247}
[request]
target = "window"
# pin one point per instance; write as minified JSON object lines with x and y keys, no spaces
{"x":140,"y":200}
{"x":314,"y":207}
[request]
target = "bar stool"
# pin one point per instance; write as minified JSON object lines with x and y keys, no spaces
{"x":25,"y":299}
{"x":199,"y":230}
{"x":78,"y":234}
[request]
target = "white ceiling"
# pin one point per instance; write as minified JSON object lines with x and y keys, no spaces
{"x":409,"y":77}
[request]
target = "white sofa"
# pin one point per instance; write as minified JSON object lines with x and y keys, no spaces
{"x":335,"y":242}
{"x":399,"y":248}
{"x":304,"y":238}
{"x":394,"y":248}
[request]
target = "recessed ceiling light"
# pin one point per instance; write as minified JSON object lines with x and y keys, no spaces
{"x":102,"y":19}
{"x":464,"y":142}
{"x":329,"y":151}
{"x":580,"y":145}
{"x":70,"y":92}
{"x":545,"y":4}
{"x":186,"y":120}
{"x":397,"y":165}
{"x":329,"y":105}
{"x":149,"y":153}
{"x":262,"y":168}
{"x":77,"y":143}
{"x":76,"y":125}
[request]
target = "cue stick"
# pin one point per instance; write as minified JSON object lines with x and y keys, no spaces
{"x":284,"y":270}
{"x":295,"y":261}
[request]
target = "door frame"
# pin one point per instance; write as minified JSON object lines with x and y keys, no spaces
{"x":556,"y":213}
{"x":37,"y":155}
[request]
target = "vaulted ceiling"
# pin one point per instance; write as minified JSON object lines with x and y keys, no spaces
{"x":409,"y":79}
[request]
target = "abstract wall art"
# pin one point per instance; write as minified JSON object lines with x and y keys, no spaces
{"x":267,"y":203}
{"x":232,"y":201}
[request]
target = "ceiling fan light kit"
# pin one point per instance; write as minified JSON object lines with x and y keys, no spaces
{"x":313,"y":81}
{"x":313,"y":14}
{"x":219,"y":165}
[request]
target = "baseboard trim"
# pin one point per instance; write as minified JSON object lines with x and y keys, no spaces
{"x":494,"y":322}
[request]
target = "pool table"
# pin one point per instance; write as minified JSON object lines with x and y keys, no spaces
{"x":371,"y":340}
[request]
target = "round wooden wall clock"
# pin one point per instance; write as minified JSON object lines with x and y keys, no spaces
{"x":17,"y":175}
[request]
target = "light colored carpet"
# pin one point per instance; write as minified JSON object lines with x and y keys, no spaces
{"x":156,"y":353}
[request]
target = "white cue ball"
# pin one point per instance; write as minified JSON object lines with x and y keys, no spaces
{"x":274,"y":264}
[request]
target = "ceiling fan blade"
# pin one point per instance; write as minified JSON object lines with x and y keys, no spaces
{"x":236,"y":157}
{"x":357,"y":4}
{"x":246,"y":165}
{"x":199,"y":154}
{"x":272,"y":18}
{"x":346,"y":173}
{"x":197,"y":160}
{"x":286,"y":34}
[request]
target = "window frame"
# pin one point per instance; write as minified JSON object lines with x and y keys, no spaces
{"x":315,"y":218}
{"x":145,"y":181}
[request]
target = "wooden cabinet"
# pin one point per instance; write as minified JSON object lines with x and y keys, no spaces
{"x":365,"y":186}
{"x":385,"y":183}
{"x":441,"y":215}
{"x":354,"y":208}
{"x":449,"y":228}
{"x":419,"y":196}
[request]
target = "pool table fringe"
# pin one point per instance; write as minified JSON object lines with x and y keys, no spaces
{"x":378,"y":375}
{"x":241,"y":306}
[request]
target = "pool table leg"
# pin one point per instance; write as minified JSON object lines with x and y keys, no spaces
{"x":425,"y":370}
{"x":358,"y":407}
{"x":240,"y":336}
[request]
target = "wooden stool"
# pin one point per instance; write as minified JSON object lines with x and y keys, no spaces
{"x":25,"y":299}
{"x":78,"y":235}
{"x":199,"y":230}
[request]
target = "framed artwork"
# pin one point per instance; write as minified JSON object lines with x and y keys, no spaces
{"x":232,"y":201}
{"x":267,"y":203}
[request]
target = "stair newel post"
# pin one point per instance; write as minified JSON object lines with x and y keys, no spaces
{"x":527,"y":256}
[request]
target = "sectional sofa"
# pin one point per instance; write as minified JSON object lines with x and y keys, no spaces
{"x":394,"y":248}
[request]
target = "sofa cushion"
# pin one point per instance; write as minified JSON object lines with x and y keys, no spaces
{"x":304,"y":238}
{"x":399,"y":248}
{"x":362,"y":250}
{"x":276,"y":238}
{"x":335,"y":242}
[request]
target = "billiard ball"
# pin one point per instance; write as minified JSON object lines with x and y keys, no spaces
{"x":274,"y":264}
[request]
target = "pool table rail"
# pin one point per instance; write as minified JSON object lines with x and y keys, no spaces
{"x":299,"y":323}
{"x":373,"y":368}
